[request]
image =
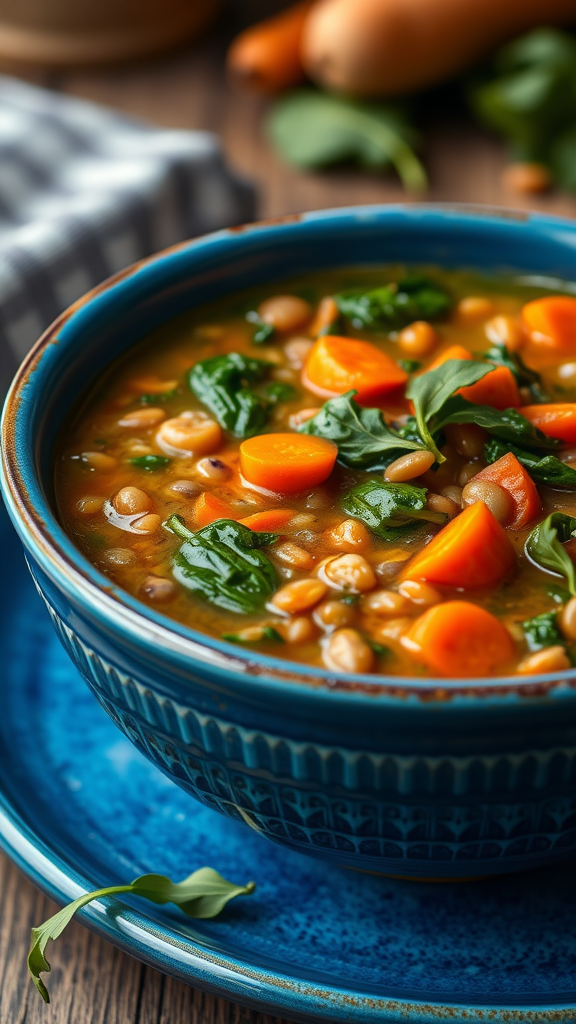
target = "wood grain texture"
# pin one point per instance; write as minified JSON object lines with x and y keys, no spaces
{"x":92,"y":982}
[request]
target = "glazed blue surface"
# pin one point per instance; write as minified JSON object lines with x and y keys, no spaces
{"x":478,"y":784}
{"x":79,"y":806}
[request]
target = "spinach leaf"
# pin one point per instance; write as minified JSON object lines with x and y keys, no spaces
{"x":314,"y":129}
{"x":390,"y":510}
{"x":544,"y":546}
{"x":150,"y":462}
{"x":395,"y":305}
{"x":544,"y":469}
{"x":222,"y":384}
{"x":542,"y":631}
{"x":222,"y":563}
{"x":430,"y":393}
{"x":277,"y":391}
{"x":203,"y":894}
{"x":265,"y":633}
{"x":528,"y":94}
{"x":525,"y":377}
{"x":409,"y":365}
{"x":508,"y":425}
{"x":364,"y":441}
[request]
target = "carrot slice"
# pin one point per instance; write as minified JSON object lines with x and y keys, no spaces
{"x":551,"y":323}
{"x":473,"y":550}
{"x":458,"y":638}
{"x":287,"y":463}
{"x":273,"y":519}
{"x":336,"y":365}
{"x":208,"y":508}
{"x":498,"y":389}
{"x":555,"y":420}
{"x":454,"y":352}
{"x":509,"y":474}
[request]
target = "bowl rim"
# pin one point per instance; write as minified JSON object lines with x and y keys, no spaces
{"x":45,"y":539}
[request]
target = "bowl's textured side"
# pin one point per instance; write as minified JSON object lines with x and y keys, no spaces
{"x":424,"y":816}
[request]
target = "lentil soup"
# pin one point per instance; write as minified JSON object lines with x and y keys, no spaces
{"x":370,"y":470}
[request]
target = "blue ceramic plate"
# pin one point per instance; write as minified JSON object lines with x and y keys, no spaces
{"x":79,"y":808}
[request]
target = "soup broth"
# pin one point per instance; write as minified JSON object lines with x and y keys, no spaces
{"x":354,"y":470}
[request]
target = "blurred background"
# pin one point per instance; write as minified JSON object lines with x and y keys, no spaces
{"x":490,"y":123}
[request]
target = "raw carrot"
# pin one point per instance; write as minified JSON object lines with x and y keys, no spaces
{"x":208,"y":508}
{"x":266,"y":56}
{"x":273,"y":519}
{"x":393,"y":47}
{"x":498,"y":389}
{"x":556,"y":420}
{"x":509,"y":474}
{"x":551,"y":323}
{"x":336,"y":365}
{"x":473,"y":550}
{"x":458,"y":638}
{"x":287,"y":463}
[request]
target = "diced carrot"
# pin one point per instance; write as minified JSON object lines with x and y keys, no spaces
{"x":473,"y":550}
{"x":459,"y":638}
{"x":498,"y":389}
{"x":555,"y":420}
{"x":551,"y":323}
{"x":208,"y":508}
{"x":454,"y":352}
{"x":326,"y":315}
{"x":287,"y":463}
{"x":509,"y":474}
{"x":336,"y":365}
{"x":273,"y":519}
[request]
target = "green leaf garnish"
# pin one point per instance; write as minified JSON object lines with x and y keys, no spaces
{"x":363,"y":439}
{"x":390,"y":510}
{"x":262,"y":331}
{"x":204,"y":894}
{"x":544,"y":546}
{"x":430,"y":392}
{"x":314,"y":129}
{"x":267,"y":633}
{"x":409,"y":365}
{"x":164,"y":396}
{"x":150,"y":463}
{"x":542,"y":631}
{"x":223,"y":564}
{"x":224,"y":385}
{"x":507,"y":425}
{"x":544,"y":469}
{"x":395,"y":305}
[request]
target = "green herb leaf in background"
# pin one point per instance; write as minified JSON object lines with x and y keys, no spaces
{"x":165,"y":396}
{"x":276,"y":391}
{"x":542,"y":631}
{"x":544,"y":469}
{"x":150,"y":463}
{"x":363,"y":439}
{"x":544,"y":546}
{"x":390,"y":510}
{"x":204,"y":894}
{"x":223,"y":385}
{"x":312,"y":129}
{"x":430,"y":392}
{"x":528,"y":95}
{"x":262,"y":331}
{"x":223,"y":564}
{"x":394,"y":305}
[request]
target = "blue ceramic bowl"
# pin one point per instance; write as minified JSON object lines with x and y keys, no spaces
{"x":429,"y":778}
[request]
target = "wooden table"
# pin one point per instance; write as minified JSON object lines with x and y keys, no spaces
{"x":91,"y":981}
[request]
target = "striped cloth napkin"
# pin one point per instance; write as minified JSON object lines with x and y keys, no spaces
{"x":85,"y":191}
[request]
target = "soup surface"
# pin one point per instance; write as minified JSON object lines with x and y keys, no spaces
{"x":371,"y":470}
